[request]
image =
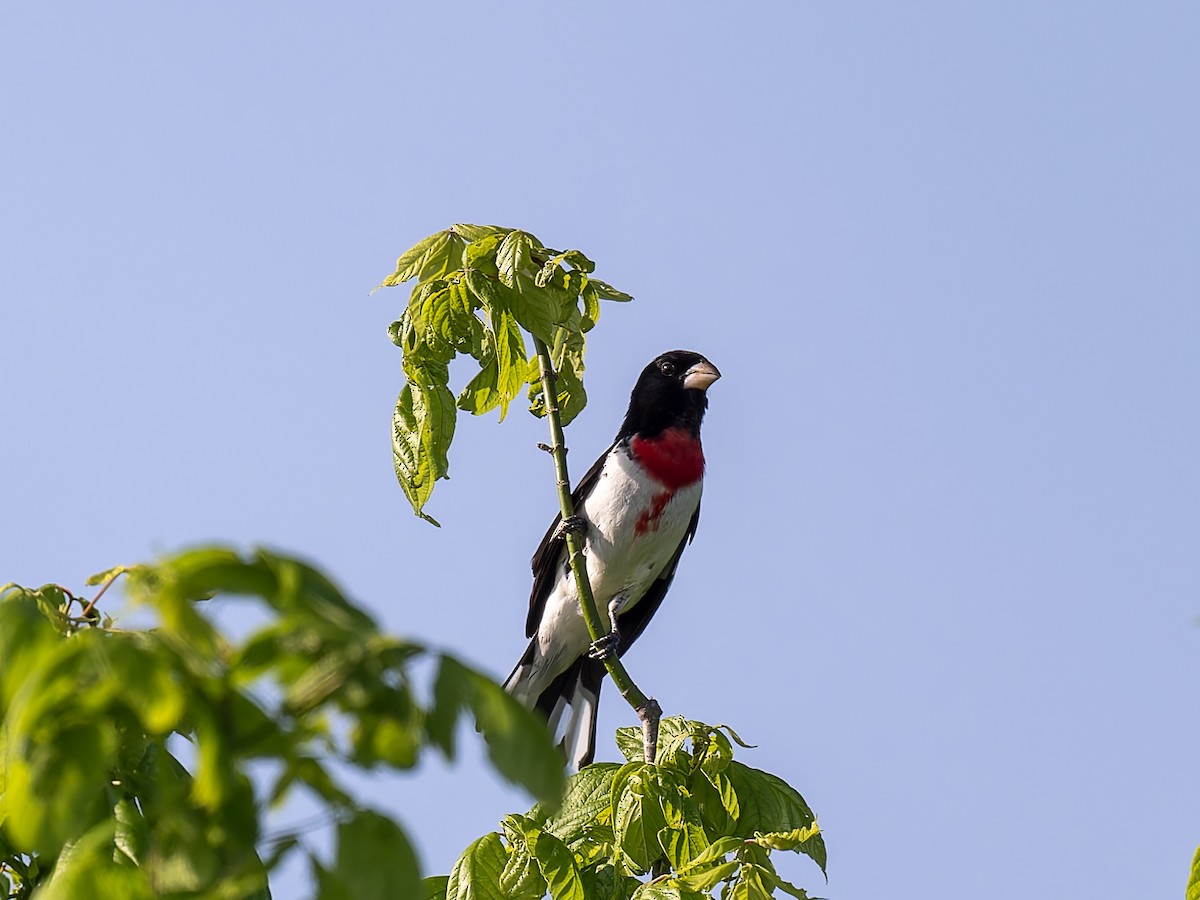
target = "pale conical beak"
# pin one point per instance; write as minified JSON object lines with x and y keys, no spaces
{"x":700,"y":376}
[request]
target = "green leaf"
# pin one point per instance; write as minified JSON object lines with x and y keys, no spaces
{"x":554,"y":859}
{"x":512,"y":259}
{"x":769,"y":804}
{"x":482,"y":393}
{"x":410,"y":261}
{"x":684,"y":843}
{"x":510,"y":358}
{"x":750,"y":885}
{"x":591,"y":306}
{"x":1193,"y":885}
{"x":724,"y":788}
{"x":572,"y":398}
{"x":476,"y":875}
{"x":637,"y":814}
{"x":535,"y":310}
{"x":422,"y":430}
{"x":586,"y":800}
{"x":787,"y":840}
{"x":434,"y":887}
{"x":575,"y":258}
{"x":51,"y":755}
{"x":27,"y":639}
{"x":480,"y":254}
{"x":131,"y":836}
{"x":107,"y":575}
{"x":518,"y":743}
{"x":521,"y":878}
{"x":475,"y":232}
{"x":608,"y":292}
{"x":708,"y":878}
{"x":629,"y":742}
{"x":374,"y":859}
{"x":87,"y":870}
{"x":661,"y":890}
{"x":430,"y":258}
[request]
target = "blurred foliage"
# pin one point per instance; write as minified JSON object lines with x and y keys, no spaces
{"x":479,"y":290}
{"x":693,"y":823}
{"x":94,"y":801}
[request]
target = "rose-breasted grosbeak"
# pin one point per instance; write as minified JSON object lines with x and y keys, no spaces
{"x":637,"y":508}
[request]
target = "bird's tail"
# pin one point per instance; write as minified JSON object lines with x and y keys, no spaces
{"x":571,"y":697}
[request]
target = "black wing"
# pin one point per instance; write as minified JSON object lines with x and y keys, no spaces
{"x":548,"y":556}
{"x":633,"y":622}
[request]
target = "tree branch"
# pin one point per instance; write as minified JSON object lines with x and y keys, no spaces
{"x":647,"y":708}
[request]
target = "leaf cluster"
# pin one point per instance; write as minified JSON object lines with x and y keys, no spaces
{"x":480,"y":289}
{"x":693,"y":824}
{"x":95,"y":800}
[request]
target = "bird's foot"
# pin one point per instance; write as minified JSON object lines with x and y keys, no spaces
{"x":605,"y":647}
{"x":571,"y":525}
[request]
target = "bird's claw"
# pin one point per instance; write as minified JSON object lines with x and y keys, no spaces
{"x":570,"y":525}
{"x":605,"y":647}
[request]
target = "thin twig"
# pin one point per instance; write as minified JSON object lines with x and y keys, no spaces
{"x":646,"y":708}
{"x":87,"y":610}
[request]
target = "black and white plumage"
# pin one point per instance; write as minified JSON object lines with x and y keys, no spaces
{"x":640,"y":503}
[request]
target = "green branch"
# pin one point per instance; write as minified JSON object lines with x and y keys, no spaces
{"x":647,"y":708}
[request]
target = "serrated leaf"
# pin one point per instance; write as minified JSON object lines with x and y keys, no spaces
{"x":430,"y":258}
{"x":512,"y":257}
{"x":411,"y":261}
{"x":554,"y":859}
{"x":629,"y":742}
{"x":476,"y":875}
{"x":1193,"y":885}
{"x":434,"y":887}
{"x":769,"y":804}
{"x":535,"y":311}
{"x":422,"y":430}
{"x":586,"y":800}
{"x":521,"y":878}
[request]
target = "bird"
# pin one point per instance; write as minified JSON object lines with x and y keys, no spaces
{"x":636,"y":510}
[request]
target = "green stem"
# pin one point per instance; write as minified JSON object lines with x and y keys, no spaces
{"x":646,"y":707}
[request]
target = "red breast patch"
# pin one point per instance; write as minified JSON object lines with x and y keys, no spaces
{"x":674,"y":458}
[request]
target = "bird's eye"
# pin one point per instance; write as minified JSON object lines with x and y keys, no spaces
{"x":667,"y":368}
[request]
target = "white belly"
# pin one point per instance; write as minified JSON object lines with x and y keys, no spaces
{"x":635,"y":526}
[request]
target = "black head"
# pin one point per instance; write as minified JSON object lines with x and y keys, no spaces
{"x":670,"y":393}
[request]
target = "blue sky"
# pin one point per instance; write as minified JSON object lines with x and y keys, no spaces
{"x":944,"y":254}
